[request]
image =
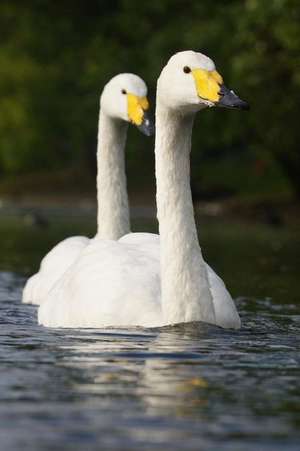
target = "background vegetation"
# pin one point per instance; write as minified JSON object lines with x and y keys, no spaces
{"x":55,"y":58}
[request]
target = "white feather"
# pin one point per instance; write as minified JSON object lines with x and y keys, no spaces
{"x":113,"y":210}
{"x":137,"y":280}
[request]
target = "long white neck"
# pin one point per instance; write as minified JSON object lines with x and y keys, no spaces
{"x":113,"y":209}
{"x":185,"y":289}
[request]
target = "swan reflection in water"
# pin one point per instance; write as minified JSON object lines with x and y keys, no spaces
{"x":161,"y":370}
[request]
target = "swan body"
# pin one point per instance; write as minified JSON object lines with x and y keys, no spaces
{"x":123,"y":100}
{"x":128,"y":272}
{"x":143,"y":279}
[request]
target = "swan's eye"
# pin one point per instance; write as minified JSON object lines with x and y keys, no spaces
{"x":124,"y":91}
{"x":186,"y":69}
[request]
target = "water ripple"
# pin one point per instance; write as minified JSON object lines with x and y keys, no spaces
{"x":187,"y":387}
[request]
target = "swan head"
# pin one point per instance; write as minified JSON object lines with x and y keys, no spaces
{"x":190,"y":82}
{"x":124,"y":97}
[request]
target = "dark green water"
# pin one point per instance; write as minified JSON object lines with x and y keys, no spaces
{"x":188,"y":387}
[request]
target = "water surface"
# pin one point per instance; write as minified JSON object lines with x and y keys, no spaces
{"x":187,"y":387}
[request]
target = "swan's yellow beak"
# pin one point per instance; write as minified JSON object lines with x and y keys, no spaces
{"x":136,"y":108}
{"x":208,"y":84}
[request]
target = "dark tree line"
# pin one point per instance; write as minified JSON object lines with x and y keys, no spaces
{"x":56,"y":56}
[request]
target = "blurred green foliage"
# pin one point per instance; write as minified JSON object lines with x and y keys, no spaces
{"x":55,"y":58}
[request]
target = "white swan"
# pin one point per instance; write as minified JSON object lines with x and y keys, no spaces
{"x":123,"y":100}
{"x":136,"y":281}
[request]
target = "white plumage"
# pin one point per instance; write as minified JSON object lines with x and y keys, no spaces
{"x":52,"y":267}
{"x":113,"y":209}
{"x":141,"y":279}
{"x":130,"y":293}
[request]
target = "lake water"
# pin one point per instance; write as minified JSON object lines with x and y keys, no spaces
{"x":187,"y":387}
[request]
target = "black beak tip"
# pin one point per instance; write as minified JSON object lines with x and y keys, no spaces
{"x":230,"y":100}
{"x":150,"y":131}
{"x":147,"y":126}
{"x":244,"y":106}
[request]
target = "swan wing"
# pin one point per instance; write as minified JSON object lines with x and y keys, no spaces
{"x":111,"y":284}
{"x":225,"y":309}
{"x":52,"y":267}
